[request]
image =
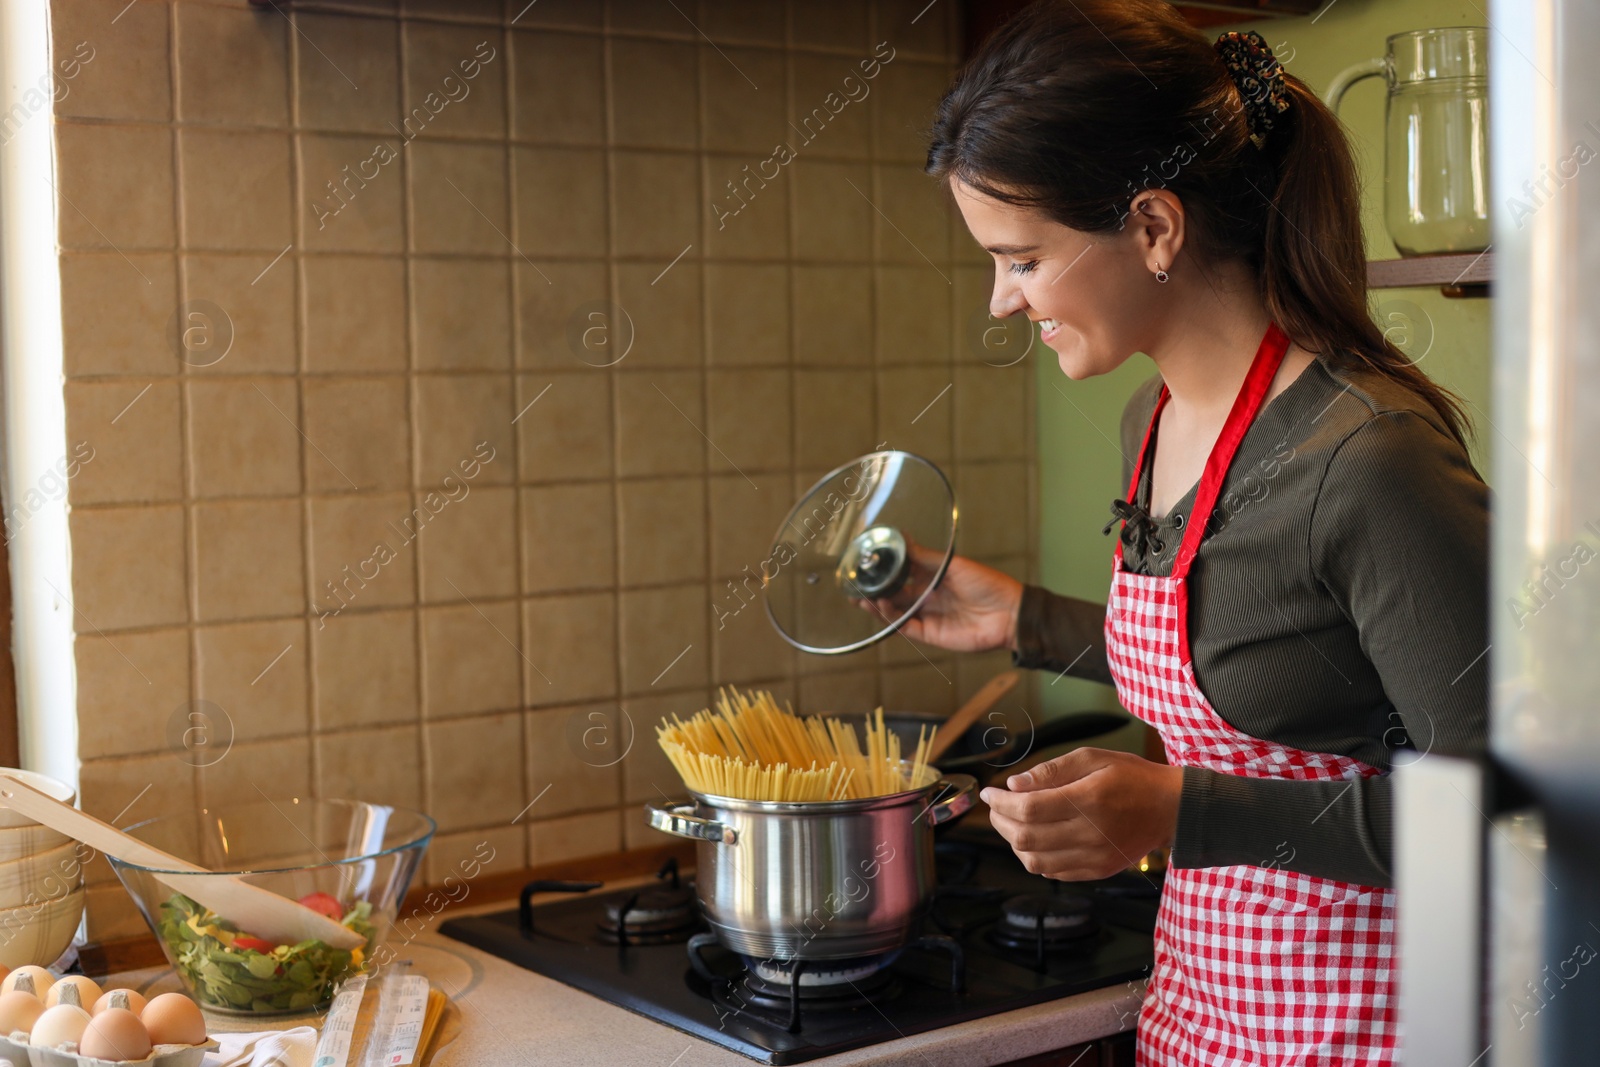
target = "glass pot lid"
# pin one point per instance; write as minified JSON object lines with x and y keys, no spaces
{"x":880,"y":529}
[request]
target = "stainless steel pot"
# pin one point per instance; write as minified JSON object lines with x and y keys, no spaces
{"x":816,"y":880}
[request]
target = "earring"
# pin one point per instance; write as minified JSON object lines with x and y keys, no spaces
{"x":1161,"y":275}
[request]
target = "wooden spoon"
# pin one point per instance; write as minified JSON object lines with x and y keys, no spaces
{"x":251,"y":908}
{"x":981,"y":701}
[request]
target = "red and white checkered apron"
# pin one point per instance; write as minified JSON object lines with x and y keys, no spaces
{"x":1253,"y":964}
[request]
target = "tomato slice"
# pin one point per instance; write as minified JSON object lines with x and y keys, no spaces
{"x":246,"y":941}
{"x":325,"y":903}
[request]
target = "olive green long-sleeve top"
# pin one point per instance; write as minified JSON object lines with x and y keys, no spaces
{"x":1338,"y":603}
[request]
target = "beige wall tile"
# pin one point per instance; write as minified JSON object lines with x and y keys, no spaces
{"x":337,"y":341}
{"x":365,"y":547}
{"x":571,"y":645}
{"x":833,"y":100}
{"x":990,"y":405}
{"x":912,"y":223}
{"x":844,"y":692}
{"x":654,"y":209}
{"x":662,"y":530}
{"x":749,"y":418}
{"x":351,"y":79}
{"x":914,"y":410}
{"x":232,"y":66}
{"x":732,"y":20}
{"x":561,"y":202}
{"x":643,"y":15}
{"x":574,"y":837}
{"x":461,"y":106}
{"x":256,"y":672}
{"x":351,"y":193}
{"x":920,"y":686}
{"x":566,"y":434}
{"x":913,"y":318}
{"x":118,"y":313}
{"x":578,"y":14}
{"x":129,"y":687}
{"x":235,"y":189}
{"x":833,"y":210}
{"x":647,"y":773}
{"x":907,"y":93}
{"x":248,"y":559}
{"x":832,"y":316}
{"x":994,"y":506}
{"x":458,"y":198}
{"x":743,"y":521}
{"x":654,"y":94}
{"x":469,"y":857}
{"x":744,"y":218}
{"x":458,"y":416}
{"x":574,"y":753}
{"x":127,"y":567}
{"x":660,"y":424}
{"x":125,"y":79}
{"x":829,"y":24}
{"x":116,"y":186}
{"x":138,"y":456}
{"x":832,"y":425}
{"x":745,"y":646}
{"x":378,"y":766}
{"x":748,"y":314}
{"x":663,"y":302}
{"x":492,"y":11}
{"x":475,"y":771}
{"x":362,"y":426}
{"x":470,"y":548}
{"x":112,"y":914}
{"x":568,"y":538}
{"x":928,"y":37}
{"x":365,"y":664}
{"x":559,"y":87}
{"x":257,"y":771}
{"x":461,"y":310}
{"x":114,"y":789}
{"x":473,"y":662}
{"x":242,"y":442}
{"x":658,"y":626}
{"x":567,"y":318}
{"x":257,"y":297}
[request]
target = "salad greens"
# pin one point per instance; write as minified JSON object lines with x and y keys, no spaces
{"x":225,"y":974}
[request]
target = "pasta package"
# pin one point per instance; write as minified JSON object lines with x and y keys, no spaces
{"x":751,"y":749}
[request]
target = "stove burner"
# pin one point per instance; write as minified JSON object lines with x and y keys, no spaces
{"x":659,"y":915}
{"x":818,"y":973}
{"x":1039,"y":924}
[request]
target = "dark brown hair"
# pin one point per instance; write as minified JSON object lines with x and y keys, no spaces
{"x":1076,"y":107}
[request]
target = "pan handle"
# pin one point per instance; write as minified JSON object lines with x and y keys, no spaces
{"x":679,"y":819}
{"x":953,"y":798}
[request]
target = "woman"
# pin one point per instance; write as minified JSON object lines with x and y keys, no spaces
{"x":1300,"y":584}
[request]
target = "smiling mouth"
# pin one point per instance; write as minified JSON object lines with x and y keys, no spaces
{"x":1048,"y":326}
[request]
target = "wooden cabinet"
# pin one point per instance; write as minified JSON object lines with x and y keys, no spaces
{"x":1113,"y":1051}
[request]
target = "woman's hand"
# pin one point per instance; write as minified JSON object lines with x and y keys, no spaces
{"x":1087,"y":814}
{"x":974,"y":609}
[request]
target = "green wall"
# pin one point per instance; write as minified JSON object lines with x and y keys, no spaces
{"x":1079,"y":464}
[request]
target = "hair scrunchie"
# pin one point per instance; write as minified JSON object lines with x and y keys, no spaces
{"x":1259,"y":77}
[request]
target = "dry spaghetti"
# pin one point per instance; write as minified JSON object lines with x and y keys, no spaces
{"x":751,"y":749}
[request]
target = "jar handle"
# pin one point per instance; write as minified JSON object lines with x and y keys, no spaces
{"x":1347,"y":77}
{"x":679,"y":819}
{"x":954,"y":798}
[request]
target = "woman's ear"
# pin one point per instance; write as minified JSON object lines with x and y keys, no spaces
{"x":1158,"y":226}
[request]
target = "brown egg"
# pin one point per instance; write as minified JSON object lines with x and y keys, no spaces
{"x":115,"y":1034}
{"x":60,"y":1025}
{"x":87,"y":990}
{"x":19,"y":1010}
{"x":119,"y":998}
{"x":41,"y":979}
{"x":174,"y":1019}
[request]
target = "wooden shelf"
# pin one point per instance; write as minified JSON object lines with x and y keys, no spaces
{"x":1456,"y":273}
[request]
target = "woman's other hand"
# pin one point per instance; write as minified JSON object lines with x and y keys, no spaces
{"x":1087,"y":814}
{"x":974,"y":609}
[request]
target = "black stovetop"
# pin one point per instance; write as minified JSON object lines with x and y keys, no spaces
{"x":715,"y":1001}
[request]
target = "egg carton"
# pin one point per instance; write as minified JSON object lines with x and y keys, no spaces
{"x":16,"y":1052}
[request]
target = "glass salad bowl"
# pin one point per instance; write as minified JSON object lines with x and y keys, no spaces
{"x":350,"y":860}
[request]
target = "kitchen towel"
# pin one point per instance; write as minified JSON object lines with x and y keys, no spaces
{"x":267,"y":1048}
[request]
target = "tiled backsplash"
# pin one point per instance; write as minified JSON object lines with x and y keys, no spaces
{"x":361,"y":479}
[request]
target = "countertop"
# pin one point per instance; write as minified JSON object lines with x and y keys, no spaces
{"x":510,"y":1016}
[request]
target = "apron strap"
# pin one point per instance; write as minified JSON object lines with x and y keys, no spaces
{"x":1268,"y":357}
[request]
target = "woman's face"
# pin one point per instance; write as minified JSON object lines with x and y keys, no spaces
{"x":1090,"y":295}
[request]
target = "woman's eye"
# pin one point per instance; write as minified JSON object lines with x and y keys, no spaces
{"x":1023,"y":268}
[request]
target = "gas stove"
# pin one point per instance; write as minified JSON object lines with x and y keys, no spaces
{"x":996,"y":938}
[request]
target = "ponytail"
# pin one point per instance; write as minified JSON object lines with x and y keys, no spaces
{"x":1156,"y":107}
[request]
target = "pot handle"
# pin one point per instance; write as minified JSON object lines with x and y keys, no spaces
{"x":680,"y":820}
{"x":953,"y":798}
